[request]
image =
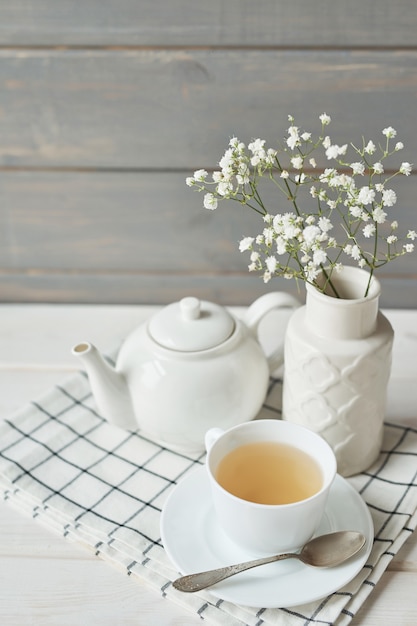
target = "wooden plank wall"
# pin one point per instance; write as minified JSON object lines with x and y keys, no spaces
{"x":107,"y":105}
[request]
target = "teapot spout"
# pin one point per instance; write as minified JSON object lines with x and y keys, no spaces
{"x":109,"y":387}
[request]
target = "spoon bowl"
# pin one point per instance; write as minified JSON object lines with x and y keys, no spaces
{"x":323,"y":551}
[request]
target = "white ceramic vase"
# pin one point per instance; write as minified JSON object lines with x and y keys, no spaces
{"x":337,"y":367}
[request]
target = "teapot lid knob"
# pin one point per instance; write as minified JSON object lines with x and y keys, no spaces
{"x":190,"y":308}
{"x":191,"y":325}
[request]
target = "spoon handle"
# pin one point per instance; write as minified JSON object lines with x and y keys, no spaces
{"x":201,"y":580}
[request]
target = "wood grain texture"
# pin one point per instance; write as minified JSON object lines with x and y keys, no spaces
{"x":138,"y":288}
{"x":142,"y":237}
{"x":216,"y":23}
{"x":170,"y":109}
{"x":105,"y":108}
{"x":98,"y":220}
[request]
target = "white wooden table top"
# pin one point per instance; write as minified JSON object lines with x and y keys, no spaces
{"x":47,"y":580}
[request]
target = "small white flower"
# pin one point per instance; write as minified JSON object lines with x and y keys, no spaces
{"x":326,"y":142}
{"x":242,"y":178}
{"x":223,"y":188}
{"x":378,"y":215}
{"x":355,"y":253}
{"x":389,"y":132}
{"x":268,"y":234}
{"x":411,"y":234}
{"x":259,"y":155}
{"x":312,"y":271}
{"x":312,"y":162}
{"x":408,"y":247}
{"x":369,"y":230}
{"x":356,"y":211}
{"x":236,"y":144}
{"x":267,"y":277}
{"x":294,"y":138}
{"x":281,"y":245}
{"x":255,"y":256}
{"x":284,"y":174}
{"x":399,"y":146}
{"x":319,"y":256}
{"x":210,"y":201}
{"x":246,"y":244}
{"x":226,"y":162}
{"x":394,"y":225}
{"x":406,"y":168}
{"x":200,"y":175}
{"x":325,"y":224}
{"x":256,"y":145}
{"x":310,"y":234}
{"x":370,"y":147}
{"x":300,"y":178}
{"x":189,"y":181}
{"x":392,"y":239}
{"x":297,"y":162}
{"x":306,"y":136}
{"x":389,"y":197}
{"x":291,"y":230}
{"x":325,"y":119}
{"x":378,"y":168}
{"x":333,"y":151}
{"x":366,"y":195}
{"x":270,"y":156}
{"x":358,"y":168}
{"x":271,"y":264}
{"x":361,"y":262}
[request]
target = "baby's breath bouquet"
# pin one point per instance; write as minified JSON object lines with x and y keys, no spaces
{"x":337,"y":214}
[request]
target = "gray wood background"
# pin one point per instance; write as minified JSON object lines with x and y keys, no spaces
{"x":107,"y":105}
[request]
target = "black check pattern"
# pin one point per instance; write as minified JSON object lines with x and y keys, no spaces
{"x":62,"y":464}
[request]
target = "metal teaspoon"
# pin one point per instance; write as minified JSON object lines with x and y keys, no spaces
{"x":324,"y":551}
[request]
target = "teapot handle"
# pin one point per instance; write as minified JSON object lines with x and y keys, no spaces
{"x":259,"y":309}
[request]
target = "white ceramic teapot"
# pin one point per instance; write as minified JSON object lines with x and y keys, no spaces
{"x":192,"y":366}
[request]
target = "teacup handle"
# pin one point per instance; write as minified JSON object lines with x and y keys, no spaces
{"x":211,"y":437}
{"x":259,"y":309}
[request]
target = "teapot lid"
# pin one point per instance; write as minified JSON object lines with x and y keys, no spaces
{"x":191,"y":325}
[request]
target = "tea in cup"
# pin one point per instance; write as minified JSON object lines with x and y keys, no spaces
{"x":270,"y":481}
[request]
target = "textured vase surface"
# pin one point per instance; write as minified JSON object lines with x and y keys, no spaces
{"x":337,"y":367}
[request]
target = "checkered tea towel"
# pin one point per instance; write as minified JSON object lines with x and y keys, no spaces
{"x":62,"y":464}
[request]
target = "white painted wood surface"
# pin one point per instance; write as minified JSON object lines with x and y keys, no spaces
{"x":47,"y":580}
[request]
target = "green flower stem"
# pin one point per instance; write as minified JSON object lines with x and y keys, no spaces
{"x":329,"y":282}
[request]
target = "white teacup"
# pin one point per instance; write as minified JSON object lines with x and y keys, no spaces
{"x":268,"y":528}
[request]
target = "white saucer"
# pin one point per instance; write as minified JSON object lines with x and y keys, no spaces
{"x":195,"y":542}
